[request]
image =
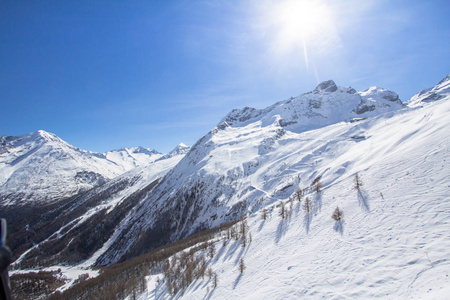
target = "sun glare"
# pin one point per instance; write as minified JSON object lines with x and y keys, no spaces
{"x":301,"y":20}
{"x":300,"y":26}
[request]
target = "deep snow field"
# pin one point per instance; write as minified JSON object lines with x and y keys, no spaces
{"x":394,"y":241}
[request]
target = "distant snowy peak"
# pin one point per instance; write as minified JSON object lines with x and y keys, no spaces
{"x":326,"y":104}
{"x":181,"y":149}
{"x":34,"y":139}
{"x":40,"y":167}
{"x":326,"y":86}
{"x":439,"y":91}
{"x":378,"y":99}
{"x":16,"y":148}
{"x":133,"y":157}
{"x":137,"y":150}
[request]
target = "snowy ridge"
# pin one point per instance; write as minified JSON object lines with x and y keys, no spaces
{"x":133,"y":157}
{"x":327,"y":104}
{"x":180,"y":149}
{"x":441,"y":90}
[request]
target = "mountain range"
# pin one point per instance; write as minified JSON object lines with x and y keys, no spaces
{"x":70,"y":207}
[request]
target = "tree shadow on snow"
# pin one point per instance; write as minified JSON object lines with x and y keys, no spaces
{"x":261,"y":225}
{"x":239,"y":255}
{"x":363,"y":201}
{"x":281,"y":230}
{"x":232,"y":248}
{"x":237,"y":281}
{"x":339,"y":227}
{"x":209,"y":294}
{"x":222,"y":250}
{"x":307,"y":221}
{"x":159,"y":293}
{"x":317,"y":200}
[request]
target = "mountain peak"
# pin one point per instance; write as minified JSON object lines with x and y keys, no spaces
{"x":378,"y":93}
{"x":439,"y":91}
{"x":445,"y":79}
{"x":179,"y":149}
{"x":326,"y":86}
{"x":47,"y":136}
{"x":37,"y":138}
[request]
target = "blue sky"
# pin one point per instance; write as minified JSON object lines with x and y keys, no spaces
{"x":109,"y":74}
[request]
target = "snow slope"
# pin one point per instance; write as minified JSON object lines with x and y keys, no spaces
{"x":394,"y":242}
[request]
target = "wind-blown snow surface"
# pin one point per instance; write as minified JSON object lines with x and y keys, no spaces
{"x":394,"y":242}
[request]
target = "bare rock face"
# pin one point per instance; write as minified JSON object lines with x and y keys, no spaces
{"x":327,"y":86}
{"x":376,"y":100}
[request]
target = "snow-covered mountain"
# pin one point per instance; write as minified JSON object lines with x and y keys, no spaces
{"x":47,"y":184}
{"x":89,"y":221}
{"x":42,"y":168}
{"x":391,"y":242}
{"x":326,"y":104}
{"x":133,"y":157}
{"x":252,"y":157}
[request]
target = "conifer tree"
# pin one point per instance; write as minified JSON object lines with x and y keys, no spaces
{"x":316,"y":185}
{"x":308,"y":205}
{"x":241,"y":266}
{"x":358,"y":183}
{"x":298,"y":194}
{"x":337,"y":214}
{"x":215,"y":280}
{"x":264,"y":214}
{"x":283,"y":212}
{"x":211,"y":250}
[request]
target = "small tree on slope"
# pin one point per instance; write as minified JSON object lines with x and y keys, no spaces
{"x":337,"y":215}
{"x":264,"y":214}
{"x":298,"y":194}
{"x":283,"y":211}
{"x":316,"y":185}
{"x":241,"y":266}
{"x":358,"y":182}
{"x":307,"y":205}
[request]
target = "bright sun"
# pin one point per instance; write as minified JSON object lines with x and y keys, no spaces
{"x":300,"y":19}
{"x":299,"y":25}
